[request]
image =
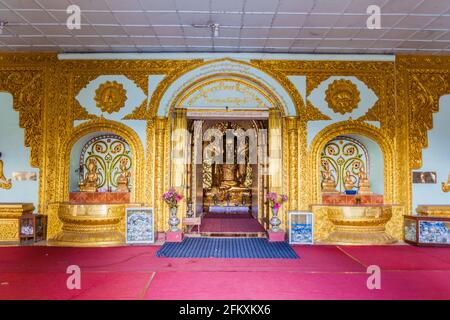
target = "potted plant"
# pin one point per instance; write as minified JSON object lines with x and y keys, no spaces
{"x":172,"y":197}
{"x":275,"y":201}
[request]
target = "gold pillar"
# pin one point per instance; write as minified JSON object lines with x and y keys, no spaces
{"x":196,"y":165}
{"x":161,"y":212}
{"x":179,"y":157}
{"x":292,"y":130}
{"x":275,"y":158}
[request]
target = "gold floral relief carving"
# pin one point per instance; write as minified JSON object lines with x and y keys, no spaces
{"x":26,"y":87}
{"x":422,"y":81}
{"x":141,"y":111}
{"x":110,"y":96}
{"x":313,"y":114}
{"x":178,"y":70}
{"x":342,"y":96}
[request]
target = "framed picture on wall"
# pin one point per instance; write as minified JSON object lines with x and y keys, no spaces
{"x":140,"y":226}
{"x":424,"y":177}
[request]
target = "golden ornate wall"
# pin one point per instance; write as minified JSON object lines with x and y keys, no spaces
{"x":44,"y":90}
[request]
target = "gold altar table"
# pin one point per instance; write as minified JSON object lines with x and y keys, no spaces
{"x":9,"y":219}
{"x":91,"y":224}
{"x":434,"y":210}
{"x":356,"y":224}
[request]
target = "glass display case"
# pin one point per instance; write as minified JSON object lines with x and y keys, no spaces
{"x":427,"y":231}
{"x":301,"y":227}
{"x":32,"y":228}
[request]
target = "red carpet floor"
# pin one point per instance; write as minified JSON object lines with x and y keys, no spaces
{"x":230,"y":223}
{"x":322,"y":272}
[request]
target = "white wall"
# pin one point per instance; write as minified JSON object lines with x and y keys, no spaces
{"x":436,"y":158}
{"x":15,"y":156}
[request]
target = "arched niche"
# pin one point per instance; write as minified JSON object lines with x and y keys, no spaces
{"x":108,"y":149}
{"x":93,"y":128}
{"x":372,"y":138}
{"x":353,"y":153}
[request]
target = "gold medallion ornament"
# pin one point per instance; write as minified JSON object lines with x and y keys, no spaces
{"x":110,"y":96}
{"x":342,"y":96}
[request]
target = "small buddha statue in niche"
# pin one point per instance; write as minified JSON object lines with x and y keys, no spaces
{"x":328,"y":182}
{"x":123,"y":180}
{"x":349,"y":184}
{"x":89,"y":184}
{"x":363,"y":183}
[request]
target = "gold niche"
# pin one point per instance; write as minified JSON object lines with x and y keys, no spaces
{"x":110,"y":96}
{"x":342,"y":96}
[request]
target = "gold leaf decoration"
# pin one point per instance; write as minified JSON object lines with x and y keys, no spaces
{"x":342,"y":96}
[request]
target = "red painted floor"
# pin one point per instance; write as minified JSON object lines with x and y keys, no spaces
{"x":323,"y":272}
{"x":230,"y":223}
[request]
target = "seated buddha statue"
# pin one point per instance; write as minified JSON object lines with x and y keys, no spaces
{"x":328,"y":182}
{"x":89,"y":184}
{"x":364,"y":183}
{"x":123,"y":180}
{"x":348,"y":181}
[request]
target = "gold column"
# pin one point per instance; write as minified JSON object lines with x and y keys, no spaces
{"x":197,"y":181}
{"x":292,"y":129}
{"x":161,"y":212}
{"x":275,"y":158}
{"x":179,"y":157}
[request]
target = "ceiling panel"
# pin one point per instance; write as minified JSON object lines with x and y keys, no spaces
{"x":244,"y":25}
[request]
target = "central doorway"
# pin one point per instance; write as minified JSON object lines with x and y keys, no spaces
{"x":227,"y":177}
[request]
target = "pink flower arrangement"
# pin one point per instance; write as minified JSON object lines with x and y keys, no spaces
{"x":172,"y":198}
{"x":275,"y":201}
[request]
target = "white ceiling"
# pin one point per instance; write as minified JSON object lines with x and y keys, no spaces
{"x":291,"y":26}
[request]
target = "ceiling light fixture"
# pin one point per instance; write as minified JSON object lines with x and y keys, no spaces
{"x":213,"y":26}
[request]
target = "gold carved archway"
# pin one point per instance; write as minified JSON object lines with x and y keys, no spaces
{"x":103,"y":125}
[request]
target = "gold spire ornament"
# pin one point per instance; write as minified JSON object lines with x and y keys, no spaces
{"x":446,"y":186}
{"x":4,"y":183}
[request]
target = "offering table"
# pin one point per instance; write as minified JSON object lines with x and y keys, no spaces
{"x":91,"y":224}
{"x":356,"y":224}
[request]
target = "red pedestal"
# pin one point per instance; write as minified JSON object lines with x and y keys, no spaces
{"x":172,"y":236}
{"x":99,"y":197}
{"x":344,"y":199}
{"x":278,"y":236}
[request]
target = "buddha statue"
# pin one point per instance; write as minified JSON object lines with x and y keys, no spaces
{"x":123,"y":180}
{"x":4,"y":183}
{"x":349,"y":184}
{"x":363,"y":183}
{"x":89,"y":184}
{"x":328,"y":182}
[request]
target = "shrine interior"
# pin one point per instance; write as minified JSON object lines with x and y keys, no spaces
{"x":245,"y":137}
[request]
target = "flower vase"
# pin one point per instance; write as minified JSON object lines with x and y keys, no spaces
{"x":275,"y":221}
{"x":173,"y":220}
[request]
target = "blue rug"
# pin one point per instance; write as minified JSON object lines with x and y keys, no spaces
{"x":227,"y":248}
